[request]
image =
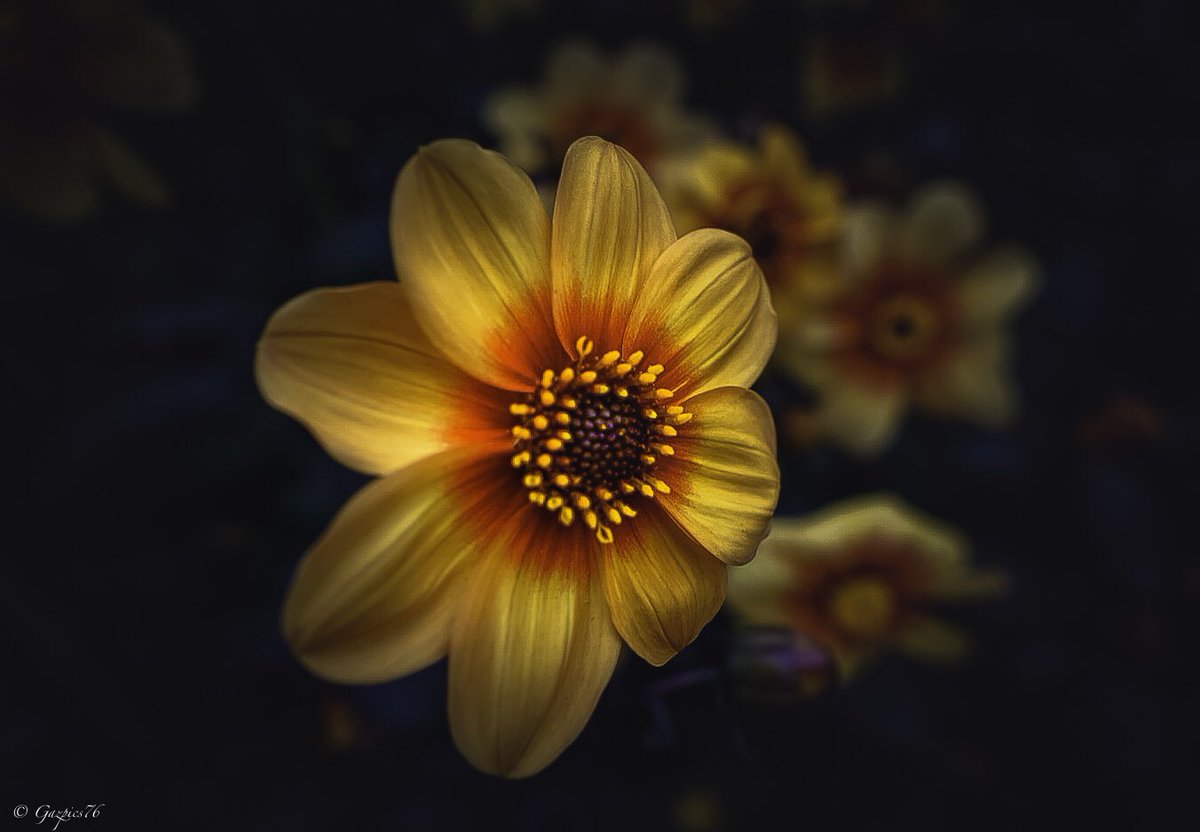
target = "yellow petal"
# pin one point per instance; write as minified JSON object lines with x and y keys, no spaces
{"x":647,"y":78}
{"x":610,"y":225}
{"x":759,"y":590}
{"x":532,"y":646}
{"x":784,"y":157}
{"x":932,"y":639}
{"x":975,"y":383}
{"x":354,"y":367}
{"x":996,"y":287}
{"x":943,"y":221}
{"x":471,"y":243}
{"x":723,"y":477}
{"x":662,"y":586}
{"x":374,"y":597}
{"x":705,"y":314}
{"x":862,"y":418}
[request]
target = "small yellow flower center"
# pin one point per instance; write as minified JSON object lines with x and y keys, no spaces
{"x":864,"y":607}
{"x":903,"y":327}
{"x":588,"y":437}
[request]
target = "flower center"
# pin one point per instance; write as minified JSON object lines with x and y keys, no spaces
{"x":587,"y":437}
{"x":903,"y":327}
{"x":864,"y":607}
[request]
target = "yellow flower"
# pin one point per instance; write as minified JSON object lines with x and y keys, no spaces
{"x":919,"y":320}
{"x":768,"y":195}
{"x":568,"y":452}
{"x":62,"y":62}
{"x":859,"y":576}
{"x":632,"y":100}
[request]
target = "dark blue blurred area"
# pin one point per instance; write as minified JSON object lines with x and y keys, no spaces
{"x":156,"y":506}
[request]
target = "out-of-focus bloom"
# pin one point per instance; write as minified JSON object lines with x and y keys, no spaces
{"x":60,"y":62}
{"x":768,"y":195}
{"x":632,"y":99}
{"x":859,"y":576}
{"x":712,"y":14}
{"x":568,"y":452}
{"x":486,"y":15}
{"x":919,"y":320}
{"x":844,"y":72}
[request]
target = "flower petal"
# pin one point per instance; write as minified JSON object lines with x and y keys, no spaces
{"x":929,"y":638}
{"x":723,"y":477}
{"x":996,"y":287}
{"x":705,"y":314}
{"x":863,"y":419}
{"x":943,"y":220}
{"x":974,"y":384}
{"x":352,"y":364}
{"x":610,"y":225}
{"x":374,"y":597}
{"x":662,"y":586}
{"x":470,"y":238}
{"x":646,"y":77}
{"x":532,"y":647}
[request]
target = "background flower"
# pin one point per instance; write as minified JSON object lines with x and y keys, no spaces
{"x":633,"y":99}
{"x":920,"y":319}
{"x":63,"y":64}
{"x":768,"y":195}
{"x":859,"y":576}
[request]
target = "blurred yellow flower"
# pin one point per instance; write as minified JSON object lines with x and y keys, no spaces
{"x":568,"y":452}
{"x":632,"y":99}
{"x":919,"y":320}
{"x":60,"y":62}
{"x":859,"y":576}
{"x":788,"y":213}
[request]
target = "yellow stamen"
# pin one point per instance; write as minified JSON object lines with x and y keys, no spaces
{"x":541,"y":422}
{"x":562,"y":418}
{"x":663,"y":393}
{"x":545,"y":460}
{"x":554,"y":502}
{"x":562,"y":480}
{"x":591,"y":519}
{"x":636,"y":357}
{"x":547,"y":378}
{"x":609,"y":358}
{"x":533,"y":480}
{"x":554,"y":444}
{"x":567,"y":375}
{"x":566,"y":515}
{"x":547,"y":398}
{"x":604,"y":534}
{"x":520,"y":409}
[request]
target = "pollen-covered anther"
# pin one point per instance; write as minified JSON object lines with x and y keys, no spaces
{"x":587,"y":437}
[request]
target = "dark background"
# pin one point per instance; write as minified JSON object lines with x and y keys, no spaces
{"x":155,"y":506}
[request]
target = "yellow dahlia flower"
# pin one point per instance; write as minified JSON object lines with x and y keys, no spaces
{"x":862,"y":575}
{"x":558,"y":413}
{"x":770,"y":196}
{"x":920,"y":319}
